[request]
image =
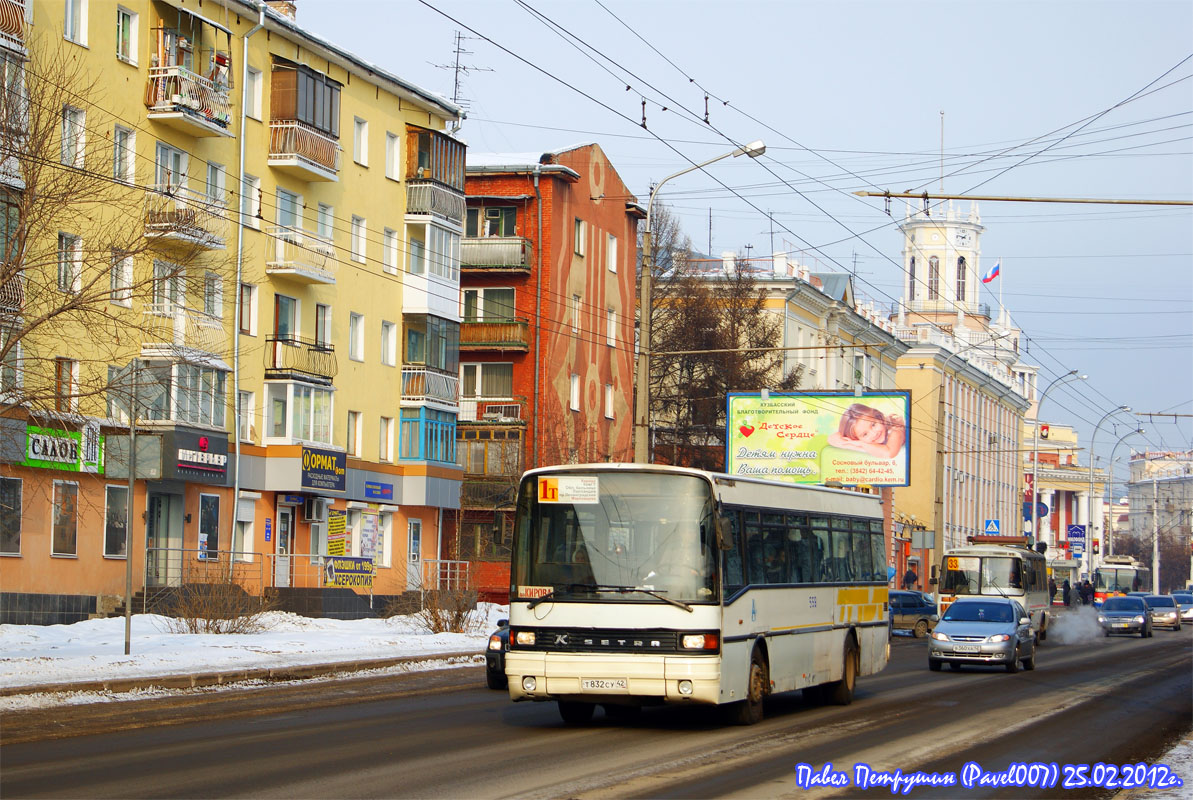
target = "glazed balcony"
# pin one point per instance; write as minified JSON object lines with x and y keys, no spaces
{"x":495,"y":335}
{"x":493,"y":410}
{"x":431,"y":199}
{"x":422,"y":385}
{"x":301,"y":255}
{"x":170,"y":330}
{"x":12,"y":24}
{"x":495,"y":254}
{"x":295,"y":357}
{"x":12,"y":291}
{"x":188,"y":102}
{"x":185,"y":217}
{"x":298,"y":149}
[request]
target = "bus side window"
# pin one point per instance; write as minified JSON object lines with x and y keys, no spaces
{"x":755,"y":565}
{"x":820,"y":549}
{"x":734,"y":573}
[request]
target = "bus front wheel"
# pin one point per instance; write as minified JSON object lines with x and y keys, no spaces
{"x":576,"y":713}
{"x":749,"y":711}
{"x":841,"y":692}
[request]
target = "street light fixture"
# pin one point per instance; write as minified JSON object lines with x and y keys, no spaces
{"x":642,"y":400}
{"x":1035,"y":455}
{"x":1089,"y":514}
{"x":1110,"y":484}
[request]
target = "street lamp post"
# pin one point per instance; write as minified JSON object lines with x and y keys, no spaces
{"x":1110,"y":485}
{"x":1035,"y":453}
{"x":642,"y":399}
{"x":1089,"y":514}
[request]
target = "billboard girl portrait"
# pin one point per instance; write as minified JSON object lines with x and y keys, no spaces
{"x":868,"y":430}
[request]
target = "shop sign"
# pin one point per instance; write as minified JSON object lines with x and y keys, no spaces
{"x":346,"y":571}
{"x":375,"y":490}
{"x":200,"y":457}
{"x":324,"y":470}
{"x":72,"y":451}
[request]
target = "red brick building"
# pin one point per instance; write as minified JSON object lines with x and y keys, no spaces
{"x":547,"y":339}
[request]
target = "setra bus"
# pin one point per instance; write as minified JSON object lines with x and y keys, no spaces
{"x":997,"y":566}
{"x":1119,"y":575}
{"x":635,"y":585}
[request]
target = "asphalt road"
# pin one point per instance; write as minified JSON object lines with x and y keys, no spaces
{"x":442,"y":735}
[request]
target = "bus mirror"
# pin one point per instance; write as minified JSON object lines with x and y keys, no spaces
{"x":932,"y":580}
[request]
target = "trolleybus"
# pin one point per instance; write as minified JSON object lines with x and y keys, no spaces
{"x":1119,"y":575}
{"x":998,"y":566}
{"x":635,"y":585}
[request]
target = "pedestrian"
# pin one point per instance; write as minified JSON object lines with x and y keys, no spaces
{"x":1087,"y":593}
{"x":1064,"y":592}
{"x":1051,"y":590}
{"x":910,"y":578}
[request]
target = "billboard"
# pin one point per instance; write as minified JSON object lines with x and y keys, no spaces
{"x":804,"y":437}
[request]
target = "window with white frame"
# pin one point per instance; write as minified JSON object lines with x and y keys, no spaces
{"x":393,"y":156}
{"x":115,"y":521}
{"x":360,"y":141}
{"x":611,"y":327}
{"x":385,"y":451}
{"x":253,"y":87}
{"x":389,"y":253}
{"x":494,"y":381}
{"x":217,"y":180}
{"x":126,"y":35}
{"x":73,"y":136}
{"x":248,"y":309}
{"x":75,"y":22}
{"x":213,"y":295}
{"x":322,"y":325}
{"x":289,"y":209}
{"x":385,"y":533}
{"x":124,"y":153}
{"x":169,"y":171}
{"x":611,"y":253}
{"x":608,"y":401}
{"x":354,"y":434}
{"x":493,"y":303}
{"x":70,"y":262}
{"x":356,"y":337}
{"x":65,"y":519}
{"x":443,"y":252}
{"x":575,"y":313}
{"x":117,"y":395}
{"x":201,"y":394}
{"x":10,"y":363}
{"x":250,"y":201}
{"x":418,"y":258}
{"x":244,"y":422}
{"x":574,"y":393}
{"x":121,"y":279}
{"x":358,"y":238}
{"x":325,"y":222}
{"x":10,"y":516}
{"x":579,"y":232}
{"x":389,"y":343}
{"x":297,"y":411}
{"x":167,"y":287}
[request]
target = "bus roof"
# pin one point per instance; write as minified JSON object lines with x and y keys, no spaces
{"x":994,"y":550}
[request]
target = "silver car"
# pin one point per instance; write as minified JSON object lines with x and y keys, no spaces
{"x":1184,"y":602}
{"x":983,"y":630}
{"x":1164,"y":611}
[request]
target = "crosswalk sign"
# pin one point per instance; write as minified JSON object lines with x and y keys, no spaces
{"x":991,"y":526}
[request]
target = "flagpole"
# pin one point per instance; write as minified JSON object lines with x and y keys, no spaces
{"x":1001,"y":307}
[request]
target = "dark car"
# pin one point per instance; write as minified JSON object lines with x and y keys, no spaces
{"x":913,"y":611}
{"x":1125,"y":615}
{"x":1164,"y":611}
{"x":499,"y":644}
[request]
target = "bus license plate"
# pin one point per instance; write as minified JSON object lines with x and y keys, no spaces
{"x":966,"y":648}
{"x":604,"y":685}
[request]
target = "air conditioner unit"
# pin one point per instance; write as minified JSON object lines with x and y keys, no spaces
{"x":316,"y":509}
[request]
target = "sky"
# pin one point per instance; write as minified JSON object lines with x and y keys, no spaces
{"x":1041,"y":99}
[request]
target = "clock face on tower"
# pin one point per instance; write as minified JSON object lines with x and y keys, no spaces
{"x":962,"y":237}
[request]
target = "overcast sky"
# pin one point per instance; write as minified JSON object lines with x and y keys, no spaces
{"x":1054,"y":99}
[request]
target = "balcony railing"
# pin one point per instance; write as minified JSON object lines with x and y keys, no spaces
{"x":12,"y":24}
{"x":507,"y":334}
{"x":12,"y":291}
{"x":420,"y":384}
{"x":301,"y":255}
{"x":309,"y":153}
{"x":435,"y":199}
{"x":287,"y":356}
{"x":495,"y":254}
{"x":492,"y":409}
{"x":169,"y":326}
{"x":188,"y":101}
{"x":491,"y":494}
{"x":186,"y":216}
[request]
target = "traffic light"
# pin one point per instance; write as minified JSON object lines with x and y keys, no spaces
{"x":1044,"y":431}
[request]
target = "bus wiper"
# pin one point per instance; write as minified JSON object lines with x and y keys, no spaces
{"x":652,"y":592}
{"x":551,"y":594}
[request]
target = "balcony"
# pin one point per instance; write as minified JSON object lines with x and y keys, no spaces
{"x":428,"y":198}
{"x":496,"y":335}
{"x":188,"y":102}
{"x":489,"y":254}
{"x":170,"y":331}
{"x":185,"y":217}
{"x":12,"y":24}
{"x":12,"y":291}
{"x":422,"y":385}
{"x":490,"y":494}
{"x":298,"y":149}
{"x":295,"y":357}
{"x":493,"y":410}
{"x":301,"y":255}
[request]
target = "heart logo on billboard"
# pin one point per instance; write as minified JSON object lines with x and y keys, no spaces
{"x":203,"y":443}
{"x":746,"y":430}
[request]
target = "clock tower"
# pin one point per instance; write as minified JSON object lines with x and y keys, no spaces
{"x":941,"y":255}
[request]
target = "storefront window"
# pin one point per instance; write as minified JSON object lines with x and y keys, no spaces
{"x":116,"y":522}
{"x":10,"y":516}
{"x":209,"y":525}
{"x":66,"y":519}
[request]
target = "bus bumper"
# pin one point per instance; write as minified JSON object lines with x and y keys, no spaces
{"x":624,"y":679}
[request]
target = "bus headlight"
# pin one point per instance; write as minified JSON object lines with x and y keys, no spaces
{"x":685,"y":687}
{"x":699,"y":641}
{"x":529,"y":683}
{"x":524,"y":638}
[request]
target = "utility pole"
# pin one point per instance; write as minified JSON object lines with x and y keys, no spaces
{"x":128,"y":522}
{"x":1155,"y":536}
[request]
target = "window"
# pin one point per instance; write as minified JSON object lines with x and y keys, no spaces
{"x":285,"y":316}
{"x":358,"y":238}
{"x":250,"y":201}
{"x":121,"y":279}
{"x":608,"y":401}
{"x":491,"y":221}
{"x":289,"y":209}
{"x":575,"y":313}
{"x":389,"y":253}
{"x":75,"y":28}
{"x":248,"y":309}
{"x":433,"y":342}
{"x":244,"y":416}
{"x":201,"y":395}
{"x":213,"y":295}
{"x":64,"y":538}
{"x":393,"y":156}
{"x":611,"y":254}
{"x":444,"y":252}
{"x":209,"y":526}
{"x":124,"y":146}
{"x":353,"y":439}
{"x":611,"y":327}
{"x":360,"y":141}
{"x":66,"y":384}
{"x":118,"y":389}
{"x":326,"y":222}
{"x":169,"y":167}
{"x":911,"y":280}
{"x":308,"y":96}
{"x":933,"y":278}
{"x":574,"y":394}
{"x":10,"y":365}
{"x":10,"y":516}
{"x":487,"y":380}
{"x":116,"y":521}
{"x":579,"y":231}
{"x":417,"y":257}
{"x":961,"y":268}
{"x":126,"y":36}
{"x":356,"y":337}
{"x":488,"y":304}
{"x":414,"y":530}
{"x":167,"y":287}
{"x":389,"y":343}
{"x":70,"y":266}
{"x":489,"y":452}
{"x":322,"y":325}
{"x":73,"y":136}
{"x":385,"y":451}
{"x":216,"y":184}
{"x":298,"y":411}
{"x":253,"y":84}
{"x":427,"y":435}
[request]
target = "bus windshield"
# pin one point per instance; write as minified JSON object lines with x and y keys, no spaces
{"x":982,"y":575}
{"x":1125,"y":579}
{"x":583,"y":535}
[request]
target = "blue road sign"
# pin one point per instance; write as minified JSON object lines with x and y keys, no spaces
{"x":1076,"y":533}
{"x":991,"y":527}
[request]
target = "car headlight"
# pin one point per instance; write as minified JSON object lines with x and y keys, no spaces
{"x":940,"y":637}
{"x":1170,"y":614}
{"x":1139,"y":618}
{"x":495,"y":642}
{"x":999,"y":637}
{"x":524,"y":638}
{"x":1101,"y":618}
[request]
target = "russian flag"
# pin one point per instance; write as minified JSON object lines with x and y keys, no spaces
{"x":991,"y":273}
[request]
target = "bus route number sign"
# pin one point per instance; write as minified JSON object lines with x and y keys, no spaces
{"x":574,"y":489}
{"x":952,"y":565}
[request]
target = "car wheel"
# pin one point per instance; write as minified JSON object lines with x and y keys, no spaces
{"x":1029,"y":663}
{"x":576,"y":713}
{"x":841,"y":692}
{"x":496,"y":680}
{"x":921,"y":629}
{"x":749,"y":711}
{"x":1143,"y":633}
{"x":934,"y":664}
{"x":1013,"y":664}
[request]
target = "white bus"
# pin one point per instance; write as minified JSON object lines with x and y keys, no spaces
{"x":997,"y":568}
{"x":636,"y":585}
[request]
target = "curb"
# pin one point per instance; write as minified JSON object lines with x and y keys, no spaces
{"x":194,"y":680}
